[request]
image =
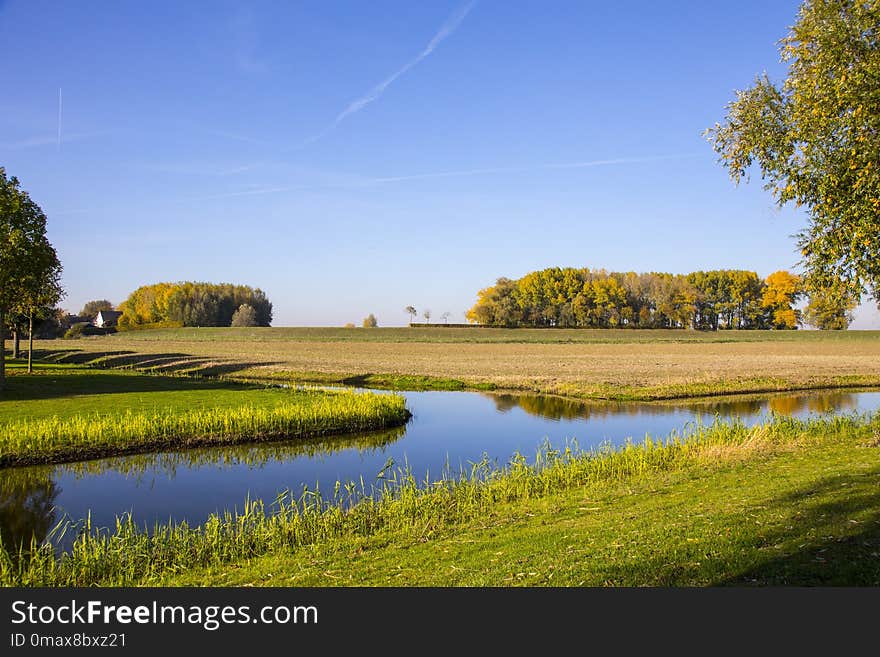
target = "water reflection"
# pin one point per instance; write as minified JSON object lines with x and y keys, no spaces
{"x":560,"y":408}
{"x":28,"y":495}
{"x":27,"y":505}
{"x":252,"y":456}
{"x":448,"y":430}
{"x":827,"y":403}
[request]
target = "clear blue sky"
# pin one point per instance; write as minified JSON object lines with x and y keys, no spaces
{"x":352,"y":157}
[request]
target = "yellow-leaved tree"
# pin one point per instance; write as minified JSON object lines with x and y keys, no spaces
{"x":782,"y":290}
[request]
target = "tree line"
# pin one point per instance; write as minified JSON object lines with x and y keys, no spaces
{"x":195,"y":304}
{"x":707,"y":300}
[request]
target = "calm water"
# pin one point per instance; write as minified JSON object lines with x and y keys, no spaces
{"x":454,"y":428}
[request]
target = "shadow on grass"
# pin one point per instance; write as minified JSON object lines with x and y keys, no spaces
{"x":167,"y":363}
{"x":74,"y":356}
{"x":837,"y":528}
{"x":128,"y":369}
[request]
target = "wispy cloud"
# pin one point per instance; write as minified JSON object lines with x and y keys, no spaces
{"x":47,"y":140}
{"x":235,"y":136}
{"x":245,"y":43}
{"x":59,"y":118}
{"x":539,"y":167}
{"x":361,"y":182}
{"x":446,"y":30}
{"x":358,"y":182}
{"x":204,"y":169}
{"x":239,"y":169}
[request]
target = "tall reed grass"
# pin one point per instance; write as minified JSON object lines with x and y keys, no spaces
{"x":399,"y":504}
{"x":77,"y":437}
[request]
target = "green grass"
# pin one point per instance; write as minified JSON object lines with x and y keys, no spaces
{"x":64,"y":390}
{"x":752,"y":386}
{"x":377,"y":381}
{"x":66,"y":413}
{"x":480,"y":334}
{"x":793,"y":502}
{"x":599,"y":393}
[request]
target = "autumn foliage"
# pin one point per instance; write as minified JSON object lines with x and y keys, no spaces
{"x":191,"y":304}
{"x":814,"y":137}
{"x":595,"y":298}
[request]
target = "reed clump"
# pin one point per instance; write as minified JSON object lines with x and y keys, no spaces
{"x":306,"y":413}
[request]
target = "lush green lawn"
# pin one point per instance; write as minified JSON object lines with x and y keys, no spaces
{"x":68,"y":412}
{"x":65,"y":390}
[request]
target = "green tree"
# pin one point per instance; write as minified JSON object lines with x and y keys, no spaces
{"x":91,"y":308}
{"x":816,"y":139}
{"x":40,"y":290}
{"x":497,"y":305}
{"x":370,"y":321}
{"x":830,"y":310}
{"x":411,"y":310}
{"x":192,"y":304}
{"x":28,"y":262}
{"x":15,"y":324}
{"x":244,"y":316}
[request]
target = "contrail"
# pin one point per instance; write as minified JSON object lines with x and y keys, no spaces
{"x":59,"y":118}
{"x":538,"y":167}
{"x":446,"y":30}
{"x":369,"y":182}
{"x":458,"y":173}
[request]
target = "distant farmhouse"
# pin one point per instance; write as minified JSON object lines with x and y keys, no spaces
{"x":107,"y":318}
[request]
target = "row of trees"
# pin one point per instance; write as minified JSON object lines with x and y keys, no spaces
{"x":426,"y":313}
{"x":195,"y":304}
{"x":708,"y":300}
{"x":30,"y":272}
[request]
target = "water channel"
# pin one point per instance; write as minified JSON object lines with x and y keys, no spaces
{"x":448,"y":430}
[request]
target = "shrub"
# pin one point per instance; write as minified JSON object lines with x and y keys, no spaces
{"x":246,"y":315}
{"x":85,"y":329}
{"x":128,"y":326}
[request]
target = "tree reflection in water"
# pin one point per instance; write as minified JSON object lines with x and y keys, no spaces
{"x":560,"y":408}
{"x":27,"y":505}
{"x":253,"y":455}
{"x":27,"y":495}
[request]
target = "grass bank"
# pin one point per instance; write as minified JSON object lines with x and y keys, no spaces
{"x":618,"y":365}
{"x":724,"y":504}
{"x":598,"y":393}
{"x":64,"y":413}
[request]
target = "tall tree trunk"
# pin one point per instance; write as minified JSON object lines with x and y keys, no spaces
{"x":16,"y":342}
{"x":31,"y":343}
{"x":2,"y":352}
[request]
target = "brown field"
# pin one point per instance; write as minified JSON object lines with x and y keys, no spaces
{"x":676,"y":364}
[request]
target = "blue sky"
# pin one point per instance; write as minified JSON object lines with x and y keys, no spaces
{"x":352,"y":157}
